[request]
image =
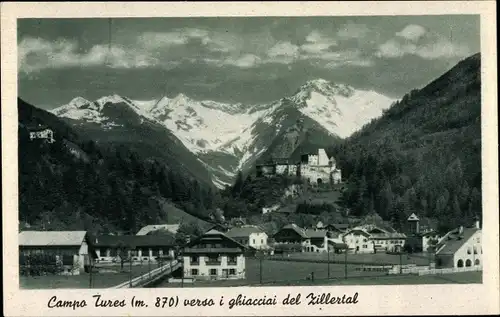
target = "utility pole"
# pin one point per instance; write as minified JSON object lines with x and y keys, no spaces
{"x":130,"y":268}
{"x":260,"y":268}
{"x":328,"y":251}
{"x":182,"y":271}
{"x":400,"y":262}
{"x":90,"y":271}
{"x":345,"y":262}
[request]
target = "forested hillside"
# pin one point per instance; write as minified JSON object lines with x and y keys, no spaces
{"x":423,"y":155}
{"x":77,"y":184}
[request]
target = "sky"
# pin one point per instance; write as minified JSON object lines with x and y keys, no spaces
{"x":252,"y":60}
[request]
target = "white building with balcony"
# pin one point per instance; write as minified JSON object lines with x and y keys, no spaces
{"x":214,"y":256}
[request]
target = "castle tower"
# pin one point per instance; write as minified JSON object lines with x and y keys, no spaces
{"x":414,"y":223}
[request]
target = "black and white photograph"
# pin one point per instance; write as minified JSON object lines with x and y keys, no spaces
{"x":249,"y":151}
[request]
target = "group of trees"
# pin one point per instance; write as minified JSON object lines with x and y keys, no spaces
{"x":423,"y":155}
{"x":110,"y":190}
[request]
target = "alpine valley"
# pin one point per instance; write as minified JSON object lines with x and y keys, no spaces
{"x":226,"y":138}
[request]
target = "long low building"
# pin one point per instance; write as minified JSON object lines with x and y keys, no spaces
{"x":72,"y":250}
{"x":147,"y":248}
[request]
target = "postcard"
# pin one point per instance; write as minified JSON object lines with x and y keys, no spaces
{"x":231,"y":159}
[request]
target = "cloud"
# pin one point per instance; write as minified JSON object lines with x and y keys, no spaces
{"x":434,"y":49}
{"x":245,"y":61}
{"x":283,"y":52}
{"x":35,"y":54}
{"x":412,"y":32}
{"x":173,"y":38}
{"x":317,"y":42}
{"x":353,"y":31}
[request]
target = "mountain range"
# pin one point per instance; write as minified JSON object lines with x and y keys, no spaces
{"x":215,"y":140}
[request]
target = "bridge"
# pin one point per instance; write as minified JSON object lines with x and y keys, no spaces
{"x":151,"y":276}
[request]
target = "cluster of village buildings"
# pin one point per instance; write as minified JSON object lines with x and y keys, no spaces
{"x":315,"y":167}
{"x":220,"y":253}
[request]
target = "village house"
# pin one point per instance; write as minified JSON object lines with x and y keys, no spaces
{"x":310,"y":240}
{"x":214,"y":256}
{"x":172,"y":228}
{"x":386,"y":241}
{"x":372,"y":239}
{"x":333,"y":229}
{"x":41,"y":132}
{"x":73,"y":249}
{"x":251,"y":236}
{"x":460,"y":248}
{"x":141,"y":248}
{"x":358,"y":241}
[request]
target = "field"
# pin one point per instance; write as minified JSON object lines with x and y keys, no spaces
{"x":366,"y":259}
{"x":281,"y":273}
{"x":99,"y":280}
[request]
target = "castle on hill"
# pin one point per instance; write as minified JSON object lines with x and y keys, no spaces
{"x":315,"y":167}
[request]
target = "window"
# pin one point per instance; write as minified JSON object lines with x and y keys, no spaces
{"x":261,"y":241}
{"x":231,"y":259}
{"x":213,"y":272}
{"x":365,"y":246}
{"x":475,"y":250}
{"x":468,"y":263}
{"x":194,"y":260}
{"x":476,"y":262}
{"x":194,"y":272}
{"x":253,"y":240}
{"x":460,"y":263}
{"x":232,"y":272}
{"x":225,"y":272}
{"x":364,"y":240}
{"x":468,"y":250}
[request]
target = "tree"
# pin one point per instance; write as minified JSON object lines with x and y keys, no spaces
{"x":238,"y":184}
{"x":123,"y":252}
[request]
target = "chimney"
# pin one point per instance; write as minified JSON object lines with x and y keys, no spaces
{"x":477,"y":225}
{"x":461,"y":230}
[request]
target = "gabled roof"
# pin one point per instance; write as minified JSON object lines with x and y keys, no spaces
{"x":51,"y":238}
{"x":295,"y":228}
{"x":454,"y":240}
{"x":312,"y":233}
{"x":215,"y":233}
{"x":413,"y":217}
{"x":245,"y":231}
{"x":134,"y":241}
{"x":338,"y":226}
{"x":149,"y":228}
{"x":357,"y":230}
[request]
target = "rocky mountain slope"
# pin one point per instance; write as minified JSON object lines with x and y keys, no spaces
{"x":231,"y":137}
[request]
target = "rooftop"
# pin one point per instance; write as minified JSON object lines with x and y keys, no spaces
{"x":149,"y":228}
{"x":454,"y":240}
{"x":134,"y":241}
{"x":244,"y":231}
{"x":51,"y":238}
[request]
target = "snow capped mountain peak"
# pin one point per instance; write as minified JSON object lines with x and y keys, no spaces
{"x":324,"y":87}
{"x":111,"y":99}
{"x":78,"y":102}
